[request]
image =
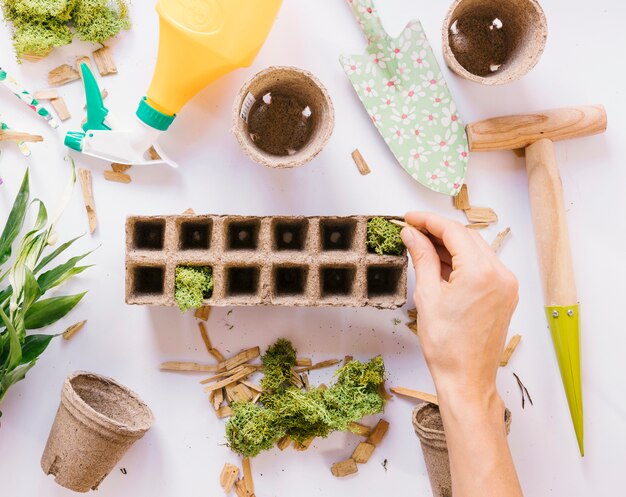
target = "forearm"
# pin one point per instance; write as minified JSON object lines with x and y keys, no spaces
{"x":480,"y":459}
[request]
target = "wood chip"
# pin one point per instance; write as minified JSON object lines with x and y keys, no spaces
{"x":222,"y":374}
{"x":247,"y":475}
{"x":382,"y":391}
{"x":477,"y":226}
{"x":153,"y":154}
{"x":510,"y":348}
{"x":360,"y":429}
{"x":496,"y":245}
{"x":205,"y":337}
{"x":347,"y":359}
{"x":72,"y":330}
{"x":203,"y":313}
{"x":188,"y":366}
{"x":461,"y":201}
{"x":217,"y":354}
{"x":305,"y":381}
{"x":304,"y":361}
{"x":412,"y":325}
{"x":228,"y":477}
{"x":224,"y":412}
{"x":231,"y":379}
{"x":363,"y":452}
{"x":378,"y":433}
{"x":62,"y":75}
{"x":296,"y":380}
{"x":217,"y":399}
{"x":45,"y":95}
{"x":481,"y":215}
{"x":241,"y":358}
{"x":104,"y":61}
{"x":319,"y":365}
{"x":120,"y":168}
{"x":256,"y":398}
{"x":415,"y":394}
{"x":17,"y":136}
{"x":303,"y":445}
{"x":252,"y":386}
{"x":360,"y":162}
{"x":241,"y":489}
{"x":189,"y":212}
{"x":60,"y":108}
{"x":412,"y":314}
{"x":240,"y":393}
{"x":344,"y":468}
{"x":117,"y":177}
{"x":283,"y":443}
{"x":84,"y":176}
{"x":83,"y":60}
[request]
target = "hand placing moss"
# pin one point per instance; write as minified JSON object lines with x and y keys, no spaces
{"x":383,"y":237}
{"x":41,"y":25}
{"x":302,"y":414}
{"x":193,"y":285}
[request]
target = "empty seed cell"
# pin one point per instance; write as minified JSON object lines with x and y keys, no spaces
{"x":290,"y":281}
{"x":383,"y":281}
{"x":242,"y":281}
{"x":148,"y":234}
{"x":290,"y":234}
{"x":337,"y":234}
{"x":146,"y":282}
{"x":337,"y":281}
{"x":194,"y":233}
{"x":242,"y":234}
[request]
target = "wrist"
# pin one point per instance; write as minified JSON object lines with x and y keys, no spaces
{"x":470,"y":400}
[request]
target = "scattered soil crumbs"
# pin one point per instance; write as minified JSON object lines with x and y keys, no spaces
{"x":279,"y":124}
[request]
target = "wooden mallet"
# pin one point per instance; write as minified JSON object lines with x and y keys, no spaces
{"x":536,"y":133}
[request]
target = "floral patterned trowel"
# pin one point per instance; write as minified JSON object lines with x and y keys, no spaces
{"x":406,"y":96}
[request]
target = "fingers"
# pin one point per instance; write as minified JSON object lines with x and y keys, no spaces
{"x":454,"y":235}
{"x":424,"y":257}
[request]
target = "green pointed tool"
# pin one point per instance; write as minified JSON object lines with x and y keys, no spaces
{"x":402,"y":88}
{"x":536,"y":133}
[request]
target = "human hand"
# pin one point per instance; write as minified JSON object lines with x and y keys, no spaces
{"x":465,"y":298}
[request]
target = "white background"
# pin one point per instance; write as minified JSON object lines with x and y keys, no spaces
{"x":184,"y":451}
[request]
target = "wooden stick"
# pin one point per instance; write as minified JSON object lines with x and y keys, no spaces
{"x":45,"y":95}
{"x":241,"y":358}
{"x":205,"y":337}
{"x":117,"y":177}
{"x":16,"y":136}
{"x":224,"y":412}
{"x":510,"y":348}
{"x":188,"y":366}
{"x":378,"y":433}
{"x":304,"y":445}
{"x":247,"y":475}
{"x":252,"y":386}
{"x":402,"y":224}
{"x":104,"y":61}
{"x":461,"y":201}
{"x":203,"y":313}
{"x":496,"y":245}
{"x":62,"y":75}
{"x":481,"y":215}
{"x":84,"y":176}
{"x":72,"y":330}
{"x":344,"y":468}
{"x":360,"y":162}
{"x":120,"y":168}
{"x":415,"y":394}
{"x":319,"y":365}
{"x":228,"y":477}
{"x":231,"y":379}
{"x":360,"y":429}
{"x":304,"y":361}
{"x":218,"y":398}
{"x":222,"y":374}
{"x":217,"y":355}
{"x":241,"y":489}
{"x":363,"y":452}
{"x":477,"y":226}
{"x":284,"y":442}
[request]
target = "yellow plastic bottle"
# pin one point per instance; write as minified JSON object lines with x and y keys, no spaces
{"x":200,"y":41}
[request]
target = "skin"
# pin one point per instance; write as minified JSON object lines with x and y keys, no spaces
{"x":465,"y":298}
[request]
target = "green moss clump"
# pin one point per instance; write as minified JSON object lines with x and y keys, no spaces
{"x":383,"y":237}
{"x":277,"y":363}
{"x":41,"y":25}
{"x":193,"y":285}
{"x":302,"y":414}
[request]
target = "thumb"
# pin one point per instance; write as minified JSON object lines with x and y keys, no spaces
{"x":425,"y":259}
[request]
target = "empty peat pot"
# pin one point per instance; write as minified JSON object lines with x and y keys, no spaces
{"x":283,"y":117}
{"x":494,"y":41}
{"x":96,"y":423}
{"x":428,"y":427}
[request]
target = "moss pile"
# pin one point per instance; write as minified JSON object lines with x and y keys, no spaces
{"x":41,"y":25}
{"x":301,"y":414}
{"x":383,"y":237}
{"x":193,"y":285}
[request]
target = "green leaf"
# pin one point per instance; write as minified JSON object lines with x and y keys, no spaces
{"x":14,"y":356}
{"x":12,"y":377}
{"x":55,"y":253}
{"x":61,"y":273}
{"x":15,"y":221}
{"x":31,"y":289}
{"x":48,"y":311}
{"x":33,"y":346}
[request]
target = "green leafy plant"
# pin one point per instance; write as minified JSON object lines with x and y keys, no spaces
{"x":383,"y":237}
{"x":193,"y":285}
{"x":24,"y":282}
{"x":286,"y":410}
{"x":41,"y":25}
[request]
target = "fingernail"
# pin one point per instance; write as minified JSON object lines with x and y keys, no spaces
{"x":408,"y":237}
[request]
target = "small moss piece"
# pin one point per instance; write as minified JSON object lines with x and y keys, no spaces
{"x":99,"y":20}
{"x":383,"y":237}
{"x":38,"y":38}
{"x":252,"y":429}
{"x":277,"y":363}
{"x":193,"y":285}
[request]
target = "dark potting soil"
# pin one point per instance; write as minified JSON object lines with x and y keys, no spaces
{"x":279,"y":127}
{"x":478,"y":44}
